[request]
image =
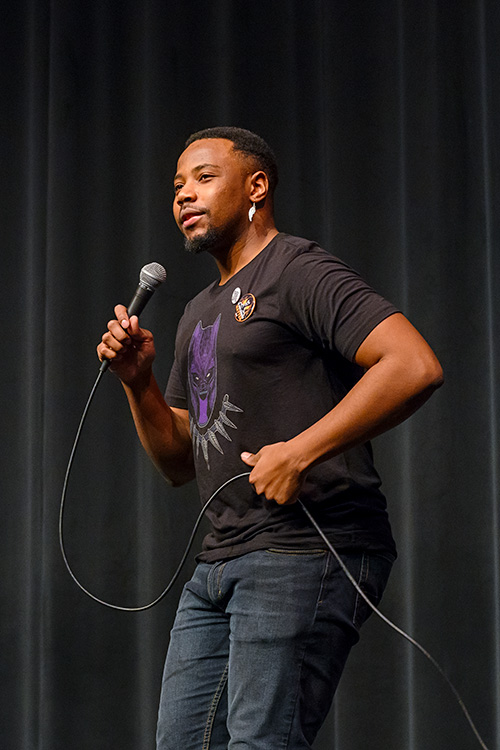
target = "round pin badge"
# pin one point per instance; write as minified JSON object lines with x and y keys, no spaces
{"x":236,"y":295}
{"x":245,"y":307}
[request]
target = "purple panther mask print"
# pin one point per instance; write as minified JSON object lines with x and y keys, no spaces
{"x":202,"y":371}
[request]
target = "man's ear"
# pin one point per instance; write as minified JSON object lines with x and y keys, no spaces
{"x":259,"y":187}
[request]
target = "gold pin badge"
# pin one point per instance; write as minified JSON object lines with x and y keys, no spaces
{"x":244,"y":308}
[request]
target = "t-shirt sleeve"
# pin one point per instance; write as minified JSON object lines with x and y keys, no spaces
{"x":326,"y":301}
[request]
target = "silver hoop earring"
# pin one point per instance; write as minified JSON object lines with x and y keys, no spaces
{"x":251,"y":212}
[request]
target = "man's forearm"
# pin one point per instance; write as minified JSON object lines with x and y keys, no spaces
{"x":163,"y":433}
{"x":401,"y":372}
{"x":386,"y":395}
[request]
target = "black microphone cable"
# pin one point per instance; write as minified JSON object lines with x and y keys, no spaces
{"x":395,"y":627}
{"x":175,"y":576}
{"x":62,"y":508}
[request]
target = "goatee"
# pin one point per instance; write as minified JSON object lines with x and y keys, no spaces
{"x":204,"y":242}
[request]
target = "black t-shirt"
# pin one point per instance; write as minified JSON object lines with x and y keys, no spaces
{"x":257,"y":361}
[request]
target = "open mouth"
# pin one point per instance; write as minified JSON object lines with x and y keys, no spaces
{"x":190,"y":218}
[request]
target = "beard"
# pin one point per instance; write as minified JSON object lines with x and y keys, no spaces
{"x":204,"y":242}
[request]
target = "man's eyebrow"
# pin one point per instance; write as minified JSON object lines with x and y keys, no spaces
{"x":199,"y":168}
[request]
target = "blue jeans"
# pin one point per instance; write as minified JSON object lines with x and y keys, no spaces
{"x":258,"y":647}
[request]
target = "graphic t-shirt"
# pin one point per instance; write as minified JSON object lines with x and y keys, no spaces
{"x":257,"y":361}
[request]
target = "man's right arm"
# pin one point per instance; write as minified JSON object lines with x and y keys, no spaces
{"x":164,"y":431}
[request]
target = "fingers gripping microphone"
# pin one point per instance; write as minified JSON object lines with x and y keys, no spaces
{"x":150,"y":278}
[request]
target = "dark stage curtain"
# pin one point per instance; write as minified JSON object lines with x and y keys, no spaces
{"x":385,"y":120}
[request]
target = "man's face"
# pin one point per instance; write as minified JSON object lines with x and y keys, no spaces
{"x":211,"y":202}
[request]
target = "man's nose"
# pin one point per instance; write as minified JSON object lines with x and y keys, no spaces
{"x":186,"y":193}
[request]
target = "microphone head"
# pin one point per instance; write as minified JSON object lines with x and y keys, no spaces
{"x":152,"y":275}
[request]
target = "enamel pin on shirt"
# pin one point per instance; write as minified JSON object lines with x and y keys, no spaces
{"x":236,"y":295}
{"x":245,"y":308}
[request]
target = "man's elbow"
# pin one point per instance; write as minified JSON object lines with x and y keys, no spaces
{"x":175,"y":473}
{"x":178,"y":480}
{"x":438,"y":377}
{"x":429,"y":374}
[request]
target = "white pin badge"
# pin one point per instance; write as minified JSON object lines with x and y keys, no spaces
{"x":236,"y":295}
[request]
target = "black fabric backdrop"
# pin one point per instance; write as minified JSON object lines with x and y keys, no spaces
{"x":385,"y":120}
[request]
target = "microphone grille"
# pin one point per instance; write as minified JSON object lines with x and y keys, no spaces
{"x":152,"y":275}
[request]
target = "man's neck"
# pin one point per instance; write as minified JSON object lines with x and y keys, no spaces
{"x":244,"y":250}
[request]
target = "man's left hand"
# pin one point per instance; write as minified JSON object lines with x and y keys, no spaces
{"x":276,"y":473}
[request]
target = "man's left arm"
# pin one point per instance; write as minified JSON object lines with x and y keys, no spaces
{"x":401,"y":372}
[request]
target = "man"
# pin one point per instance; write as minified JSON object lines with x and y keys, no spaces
{"x":263,"y":382}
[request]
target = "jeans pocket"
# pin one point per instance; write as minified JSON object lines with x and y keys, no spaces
{"x":297,"y":552}
{"x":373,"y":576}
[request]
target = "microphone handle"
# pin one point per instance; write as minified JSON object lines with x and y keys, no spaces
{"x":140,"y":298}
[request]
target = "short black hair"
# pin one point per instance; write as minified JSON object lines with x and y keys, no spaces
{"x":250,"y":144}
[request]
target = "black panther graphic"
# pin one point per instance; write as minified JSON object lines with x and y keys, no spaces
{"x":202,"y":377}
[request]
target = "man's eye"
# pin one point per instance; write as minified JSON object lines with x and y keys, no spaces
{"x":177,"y":187}
{"x":205,"y":176}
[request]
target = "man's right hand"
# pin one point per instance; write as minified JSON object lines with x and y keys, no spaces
{"x":129,"y":348}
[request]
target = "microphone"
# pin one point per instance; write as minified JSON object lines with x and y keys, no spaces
{"x":150,"y":278}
